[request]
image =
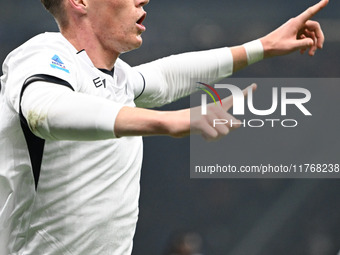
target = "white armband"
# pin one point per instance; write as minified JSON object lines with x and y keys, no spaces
{"x":254,"y":50}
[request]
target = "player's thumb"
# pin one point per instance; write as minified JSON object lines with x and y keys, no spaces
{"x":250,"y":88}
{"x":228,"y":102}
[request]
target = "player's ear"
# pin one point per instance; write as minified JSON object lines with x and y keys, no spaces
{"x":79,"y":5}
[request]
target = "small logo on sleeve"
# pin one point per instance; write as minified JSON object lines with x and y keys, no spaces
{"x":58,"y":64}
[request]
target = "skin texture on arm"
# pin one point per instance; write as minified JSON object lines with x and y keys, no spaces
{"x":239,"y":57}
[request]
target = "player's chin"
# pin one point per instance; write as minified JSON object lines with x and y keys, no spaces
{"x":139,"y":37}
{"x":139,"y":41}
{"x":132,"y":45}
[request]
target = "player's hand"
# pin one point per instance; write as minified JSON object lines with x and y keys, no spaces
{"x":299,"y":33}
{"x":204,"y":124}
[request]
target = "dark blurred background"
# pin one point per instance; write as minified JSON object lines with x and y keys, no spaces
{"x":233,"y":217}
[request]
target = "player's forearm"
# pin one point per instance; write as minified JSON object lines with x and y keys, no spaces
{"x":239,"y":58}
{"x":144,"y":122}
{"x":137,"y":121}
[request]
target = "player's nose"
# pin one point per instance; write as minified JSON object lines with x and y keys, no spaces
{"x":142,"y":2}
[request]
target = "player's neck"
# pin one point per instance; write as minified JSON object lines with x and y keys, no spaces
{"x":100,"y":57}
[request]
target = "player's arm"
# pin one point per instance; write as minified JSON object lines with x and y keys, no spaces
{"x":55,"y":112}
{"x":171,"y":78}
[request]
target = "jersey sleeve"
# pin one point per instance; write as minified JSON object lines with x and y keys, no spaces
{"x":170,"y":78}
{"x":58,"y":113}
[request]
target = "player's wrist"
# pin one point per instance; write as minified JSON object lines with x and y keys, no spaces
{"x":269,"y":46}
{"x":177,"y":123}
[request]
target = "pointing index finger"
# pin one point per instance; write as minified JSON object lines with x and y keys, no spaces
{"x":311,"y":11}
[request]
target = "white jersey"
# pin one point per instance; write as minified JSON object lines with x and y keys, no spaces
{"x":81,"y":197}
{"x":93,"y":186}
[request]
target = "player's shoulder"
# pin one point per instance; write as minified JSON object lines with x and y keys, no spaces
{"x":50,"y":40}
{"x":39,"y":46}
{"x":47,"y":53}
{"x":47,"y":49}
